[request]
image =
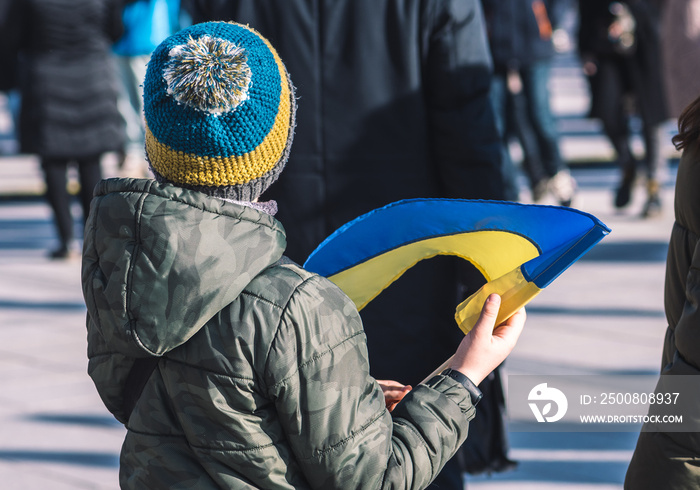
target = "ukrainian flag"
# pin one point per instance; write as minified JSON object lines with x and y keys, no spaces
{"x":519,"y":248}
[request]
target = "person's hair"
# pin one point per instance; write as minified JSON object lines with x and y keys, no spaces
{"x":688,"y":126}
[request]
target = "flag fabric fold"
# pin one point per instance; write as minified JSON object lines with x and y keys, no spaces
{"x":518,"y":248}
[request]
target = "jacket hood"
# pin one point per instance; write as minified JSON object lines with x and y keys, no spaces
{"x":159,"y":261}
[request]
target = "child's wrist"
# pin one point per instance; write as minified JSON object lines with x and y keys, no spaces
{"x":471,"y":386}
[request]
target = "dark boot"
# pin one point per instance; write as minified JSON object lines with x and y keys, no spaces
{"x":623,"y":194}
{"x":652,"y":207}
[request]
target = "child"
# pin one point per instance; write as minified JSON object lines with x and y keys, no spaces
{"x":230,"y":365}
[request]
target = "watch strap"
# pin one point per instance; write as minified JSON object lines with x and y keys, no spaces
{"x":474,"y":391}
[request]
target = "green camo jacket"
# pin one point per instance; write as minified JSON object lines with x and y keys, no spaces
{"x":263,"y":379}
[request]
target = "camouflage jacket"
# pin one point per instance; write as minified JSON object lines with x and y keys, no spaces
{"x":263,"y":379}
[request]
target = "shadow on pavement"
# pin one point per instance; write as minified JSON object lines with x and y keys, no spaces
{"x":62,"y":457}
{"x":607,"y":312}
{"x":45,"y":305}
{"x":628,"y":251}
{"x":76,"y":419}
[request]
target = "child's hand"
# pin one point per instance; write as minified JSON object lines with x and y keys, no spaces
{"x":484,"y":348}
{"x":393,"y":392}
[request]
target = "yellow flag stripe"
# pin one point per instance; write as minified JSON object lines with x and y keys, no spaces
{"x":493,"y":253}
{"x":514,"y":289}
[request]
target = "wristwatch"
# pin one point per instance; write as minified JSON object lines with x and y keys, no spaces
{"x":474,"y":392}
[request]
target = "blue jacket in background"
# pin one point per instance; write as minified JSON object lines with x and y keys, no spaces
{"x":146,"y":24}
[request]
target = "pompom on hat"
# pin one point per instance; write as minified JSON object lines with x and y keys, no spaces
{"x":220,"y":111}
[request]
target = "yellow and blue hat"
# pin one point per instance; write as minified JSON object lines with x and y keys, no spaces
{"x":219,"y":109}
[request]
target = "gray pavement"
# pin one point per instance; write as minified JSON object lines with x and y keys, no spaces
{"x":603,"y":315}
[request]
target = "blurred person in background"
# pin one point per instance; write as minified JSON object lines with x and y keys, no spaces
{"x":671,"y":460}
{"x":520,"y":36}
{"x":395,"y":106}
{"x":146,"y":24}
{"x":619,"y":47}
{"x":69,"y":85}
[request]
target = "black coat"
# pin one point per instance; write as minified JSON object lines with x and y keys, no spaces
{"x":393,"y":104}
{"x":68,"y":79}
{"x":640,"y":70}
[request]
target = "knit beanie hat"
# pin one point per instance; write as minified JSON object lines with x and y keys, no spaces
{"x":220,"y":111}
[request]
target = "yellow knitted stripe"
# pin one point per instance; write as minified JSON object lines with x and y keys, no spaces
{"x":186,"y":168}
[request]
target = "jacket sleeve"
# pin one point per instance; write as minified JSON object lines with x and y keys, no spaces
{"x":682,"y":298}
{"x":333,"y":411}
{"x":464,"y":138}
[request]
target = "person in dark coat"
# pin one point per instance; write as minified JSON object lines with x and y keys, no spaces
{"x":620,"y":51}
{"x":521,"y":39}
{"x":395,"y":105}
{"x":671,"y":460}
{"x":69,"y":96}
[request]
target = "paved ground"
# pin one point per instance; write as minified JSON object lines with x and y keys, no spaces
{"x":603,"y":315}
